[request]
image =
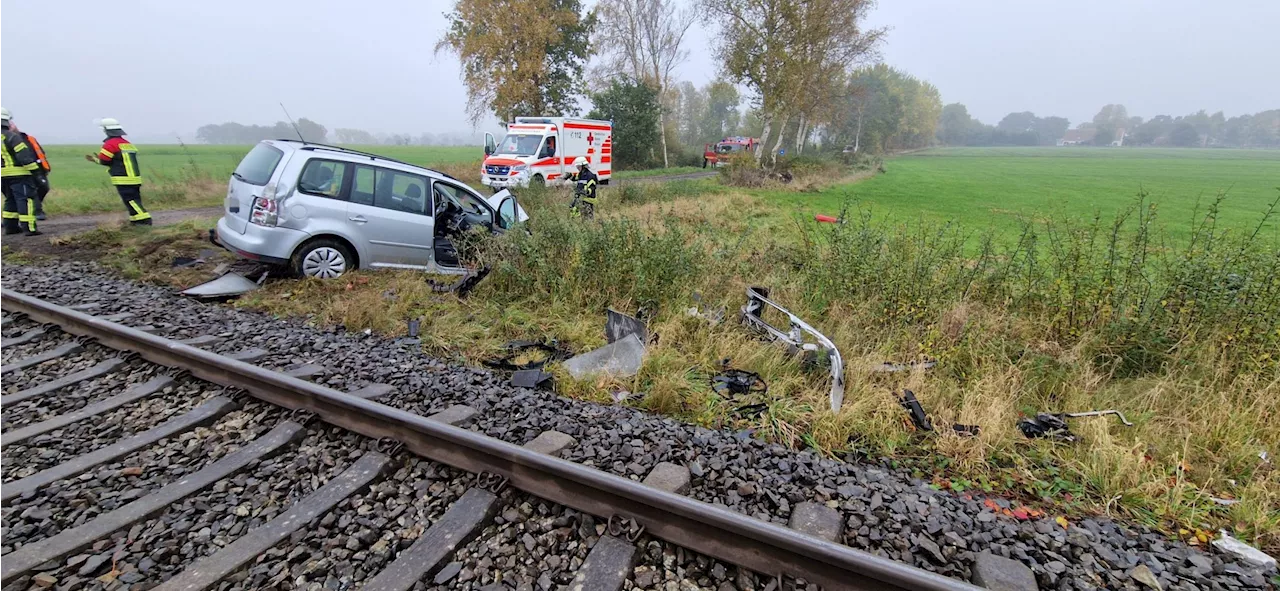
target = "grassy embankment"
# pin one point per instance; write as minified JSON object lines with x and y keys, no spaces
{"x":1162,"y":307}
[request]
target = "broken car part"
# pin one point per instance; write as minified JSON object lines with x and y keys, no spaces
{"x":621,"y":359}
{"x":737,"y":382}
{"x":515,"y":349}
{"x":530,"y":378}
{"x":713,"y":316}
{"x":227,"y":286}
{"x":463,"y":286}
{"x":889,"y":367}
{"x":415,"y":324}
{"x":618,"y":325}
{"x":757,"y":300}
{"x":921,"y":419}
{"x":1054,"y":425}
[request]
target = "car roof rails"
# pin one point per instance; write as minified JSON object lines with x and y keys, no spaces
{"x":314,"y":146}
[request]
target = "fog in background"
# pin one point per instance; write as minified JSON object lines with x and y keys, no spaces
{"x":165,"y":68}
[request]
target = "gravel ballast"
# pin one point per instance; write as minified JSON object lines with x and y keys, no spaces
{"x":885,"y":511}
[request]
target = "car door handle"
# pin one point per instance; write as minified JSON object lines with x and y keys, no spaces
{"x":358,"y":219}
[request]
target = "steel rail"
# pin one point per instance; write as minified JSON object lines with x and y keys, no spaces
{"x":702,"y":527}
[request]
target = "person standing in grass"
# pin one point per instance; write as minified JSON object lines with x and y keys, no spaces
{"x":121,"y":159}
{"x":19,"y":164}
{"x":41,"y":173}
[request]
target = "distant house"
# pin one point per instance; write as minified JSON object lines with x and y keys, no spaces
{"x":1078,"y":137}
{"x":1085,"y":137}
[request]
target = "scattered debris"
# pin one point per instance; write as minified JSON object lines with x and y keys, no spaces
{"x":712,"y":316}
{"x":1054,"y":425}
{"x":737,"y":382}
{"x":621,"y":396}
{"x":921,"y":419}
{"x":1224,"y":502}
{"x":757,"y":299}
{"x":227,"y":286}
{"x":826,"y":219}
{"x":1243,"y":551}
{"x":751,"y":410}
{"x":550,"y":351}
{"x":621,"y":359}
{"x":463,"y":286}
{"x":890,"y":367}
{"x":618,"y":325}
{"x":185,"y":262}
{"x":918,"y":416}
{"x":530,"y":378}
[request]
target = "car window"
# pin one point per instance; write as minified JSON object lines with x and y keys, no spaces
{"x":322,"y":177}
{"x":258,"y":164}
{"x":507,"y":212}
{"x":468,"y":201}
{"x":400,"y":191}
{"x":362,"y":186}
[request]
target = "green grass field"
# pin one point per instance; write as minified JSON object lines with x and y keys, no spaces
{"x":984,"y":187}
{"x":191,"y":176}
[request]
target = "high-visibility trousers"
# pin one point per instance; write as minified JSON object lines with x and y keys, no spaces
{"x":19,"y":204}
{"x":131,"y":195}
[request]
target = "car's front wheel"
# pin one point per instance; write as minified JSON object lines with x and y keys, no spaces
{"x":323,"y":259}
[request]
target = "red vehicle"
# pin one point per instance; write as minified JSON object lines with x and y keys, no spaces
{"x":718,"y":154}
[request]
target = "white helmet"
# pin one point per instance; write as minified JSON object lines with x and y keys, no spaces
{"x":4,"y":114}
{"x":580,"y":161}
{"x":109,"y":124}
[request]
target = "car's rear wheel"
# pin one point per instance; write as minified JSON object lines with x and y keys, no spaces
{"x":323,"y":259}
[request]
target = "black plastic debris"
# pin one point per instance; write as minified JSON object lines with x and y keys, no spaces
{"x":185,"y":262}
{"x":1054,"y":425}
{"x":918,"y":417}
{"x":737,"y":382}
{"x":1047,"y":426}
{"x":751,"y":410}
{"x":618,"y":325}
{"x":462,"y":287}
{"x":530,"y":378}
{"x":921,"y":419}
{"x":550,"y":351}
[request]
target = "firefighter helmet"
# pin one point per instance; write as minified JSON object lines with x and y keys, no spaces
{"x":109,"y":124}
{"x":580,"y":161}
{"x":4,"y":113}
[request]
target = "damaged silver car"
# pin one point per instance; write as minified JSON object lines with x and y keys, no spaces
{"x":321,"y":211}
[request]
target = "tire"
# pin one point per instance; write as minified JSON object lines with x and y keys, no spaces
{"x":323,"y":259}
{"x":538,"y":181}
{"x":704,"y":162}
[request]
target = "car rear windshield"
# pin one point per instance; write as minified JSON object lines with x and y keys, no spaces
{"x":258,"y":164}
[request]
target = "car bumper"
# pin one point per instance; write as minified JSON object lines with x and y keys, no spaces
{"x":504,"y":182}
{"x":268,"y":245}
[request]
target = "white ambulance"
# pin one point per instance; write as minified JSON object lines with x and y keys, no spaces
{"x":541,"y":150}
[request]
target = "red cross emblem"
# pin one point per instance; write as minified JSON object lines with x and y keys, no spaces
{"x":591,"y":138}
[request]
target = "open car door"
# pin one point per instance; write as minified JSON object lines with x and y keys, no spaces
{"x":509,"y":211}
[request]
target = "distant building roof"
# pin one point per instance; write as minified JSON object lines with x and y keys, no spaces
{"x":1080,"y":136}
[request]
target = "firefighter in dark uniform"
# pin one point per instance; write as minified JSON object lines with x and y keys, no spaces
{"x":19,"y":164}
{"x":584,"y":191}
{"x":41,"y":174}
{"x":121,"y":159}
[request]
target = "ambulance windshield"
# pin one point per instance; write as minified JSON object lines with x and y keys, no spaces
{"x":519,"y":144}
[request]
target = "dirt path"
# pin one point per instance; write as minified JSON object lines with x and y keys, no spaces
{"x":74,"y":224}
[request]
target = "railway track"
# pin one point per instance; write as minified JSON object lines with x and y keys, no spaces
{"x":136,"y":461}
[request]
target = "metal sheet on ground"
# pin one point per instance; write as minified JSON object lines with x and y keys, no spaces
{"x":229,"y":285}
{"x":50,"y":355}
{"x":32,"y":555}
{"x":208,"y":571}
{"x":456,"y":527}
{"x":100,"y":369}
{"x":200,"y":415}
{"x":140,"y":391}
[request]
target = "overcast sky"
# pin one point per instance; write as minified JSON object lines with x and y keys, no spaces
{"x":165,"y":67}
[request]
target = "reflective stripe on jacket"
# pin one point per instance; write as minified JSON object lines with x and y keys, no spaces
{"x":121,"y":158}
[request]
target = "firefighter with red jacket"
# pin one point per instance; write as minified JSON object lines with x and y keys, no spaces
{"x":19,"y":164}
{"x":121,"y":159}
{"x":41,"y":174}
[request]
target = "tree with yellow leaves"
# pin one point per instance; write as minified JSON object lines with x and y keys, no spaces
{"x":520,"y":57}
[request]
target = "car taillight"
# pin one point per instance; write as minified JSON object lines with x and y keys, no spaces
{"x":266,"y":208}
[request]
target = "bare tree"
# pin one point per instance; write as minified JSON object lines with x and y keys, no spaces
{"x":644,"y":38}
